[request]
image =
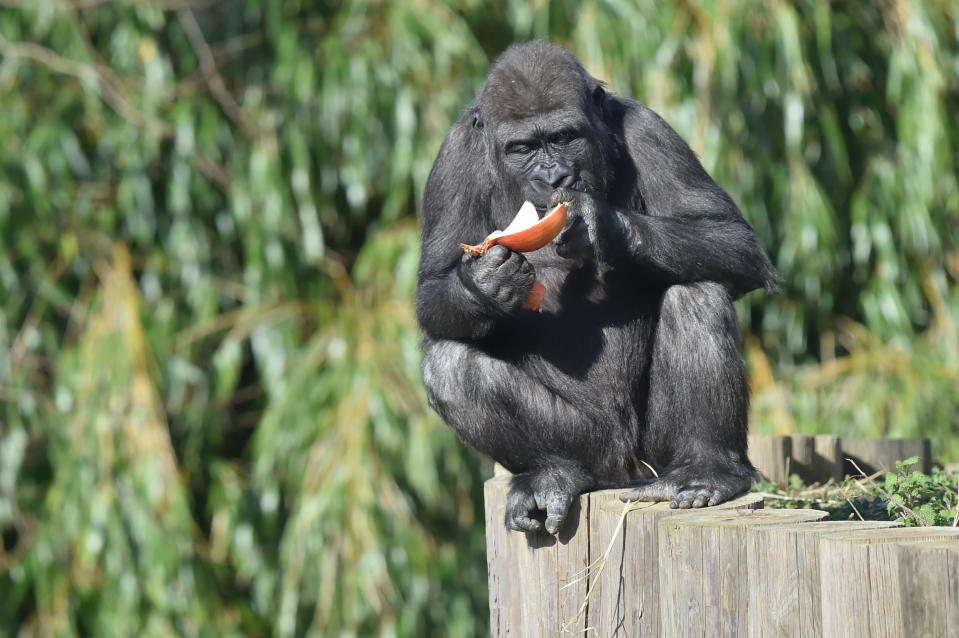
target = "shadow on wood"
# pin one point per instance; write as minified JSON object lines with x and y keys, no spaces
{"x":819,"y":458}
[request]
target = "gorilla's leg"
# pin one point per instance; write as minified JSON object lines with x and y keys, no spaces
{"x":698,"y":401}
{"x":507,"y":414}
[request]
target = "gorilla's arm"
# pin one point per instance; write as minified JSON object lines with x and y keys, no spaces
{"x":458,"y":296}
{"x":690,"y":229}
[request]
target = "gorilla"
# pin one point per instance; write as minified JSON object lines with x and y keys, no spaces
{"x":632,"y":370}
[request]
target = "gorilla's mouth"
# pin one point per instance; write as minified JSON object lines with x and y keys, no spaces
{"x":541,"y":199}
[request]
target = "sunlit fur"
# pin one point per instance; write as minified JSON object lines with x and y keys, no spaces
{"x":635,"y":358}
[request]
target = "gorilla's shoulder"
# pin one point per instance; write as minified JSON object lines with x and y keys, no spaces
{"x":642,"y":127}
{"x":635,"y":114}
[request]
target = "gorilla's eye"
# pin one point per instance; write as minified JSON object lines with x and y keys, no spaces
{"x":519,"y":148}
{"x":564,"y":137}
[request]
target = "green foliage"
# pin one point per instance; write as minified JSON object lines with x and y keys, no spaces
{"x":846,"y":501}
{"x":911,"y":498}
{"x":211,"y":419}
{"x":918,"y":498}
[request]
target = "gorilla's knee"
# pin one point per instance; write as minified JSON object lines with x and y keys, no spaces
{"x":698,"y":329}
{"x":443,"y":364}
{"x":703,"y":308}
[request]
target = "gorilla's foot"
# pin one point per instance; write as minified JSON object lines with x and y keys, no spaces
{"x":692,"y":486}
{"x":546,"y":491}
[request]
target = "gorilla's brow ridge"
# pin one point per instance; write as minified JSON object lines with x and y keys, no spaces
{"x":533,"y":128}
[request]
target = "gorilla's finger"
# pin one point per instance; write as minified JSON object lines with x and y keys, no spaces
{"x":516,"y":268}
{"x":556,"y":509}
{"x":498,"y":254}
{"x":521,"y":523}
{"x":513,"y":261}
{"x":561,"y":195}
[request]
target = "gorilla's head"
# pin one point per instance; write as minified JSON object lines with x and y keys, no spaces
{"x":544,"y":117}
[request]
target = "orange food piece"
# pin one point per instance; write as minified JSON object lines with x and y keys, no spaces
{"x":536,"y":296}
{"x":525,"y":234}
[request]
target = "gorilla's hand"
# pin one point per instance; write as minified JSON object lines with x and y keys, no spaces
{"x":503,"y":277}
{"x":593,"y":229}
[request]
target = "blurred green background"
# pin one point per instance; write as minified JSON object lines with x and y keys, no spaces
{"x":212,"y":421}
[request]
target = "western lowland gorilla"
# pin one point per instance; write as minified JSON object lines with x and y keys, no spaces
{"x":634,"y":363}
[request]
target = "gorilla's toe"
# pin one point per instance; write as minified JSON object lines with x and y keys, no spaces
{"x":692,"y":499}
{"x":521,"y":508}
{"x":659,"y":490}
{"x":543,"y":497}
{"x":557,"y":507}
{"x":693,"y":487}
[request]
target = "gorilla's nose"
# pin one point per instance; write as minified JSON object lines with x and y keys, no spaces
{"x":549,"y":177}
{"x":560,"y":176}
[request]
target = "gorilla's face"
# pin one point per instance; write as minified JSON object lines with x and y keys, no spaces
{"x":550,"y":150}
{"x":544,"y":116}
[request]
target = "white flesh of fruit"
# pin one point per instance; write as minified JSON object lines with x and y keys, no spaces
{"x":525,"y":218}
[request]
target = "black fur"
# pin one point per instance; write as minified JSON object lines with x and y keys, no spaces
{"x":635,"y":359}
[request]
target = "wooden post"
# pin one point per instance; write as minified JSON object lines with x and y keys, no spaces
{"x":538,"y":583}
{"x":929,"y":588}
{"x":880,"y":455}
{"x":860,"y":580}
{"x":770,"y":455}
{"x":647,"y":570}
{"x":816,"y":459}
{"x":802,"y":457}
{"x":827,"y":458}
{"x":703,"y":569}
{"x":784,"y":581}
{"x":627,"y":595}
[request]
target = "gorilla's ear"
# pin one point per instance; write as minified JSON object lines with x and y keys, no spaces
{"x":599,"y":96}
{"x":477,"y":122}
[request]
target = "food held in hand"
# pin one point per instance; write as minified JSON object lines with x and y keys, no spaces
{"x":526,"y":233}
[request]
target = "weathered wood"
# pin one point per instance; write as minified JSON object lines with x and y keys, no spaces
{"x":929,"y":588}
{"x":859,"y":575}
{"x":536,"y":581}
{"x":880,"y":455}
{"x":816,"y":459}
{"x":703,"y":569}
{"x":827,"y":458}
{"x":725,"y":570}
{"x":784,"y":577}
{"x":771,"y":456}
{"x":625,"y":601}
{"x":802,"y":457}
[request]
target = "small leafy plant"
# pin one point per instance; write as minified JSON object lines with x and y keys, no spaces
{"x":917,"y":498}
{"x":913,"y":498}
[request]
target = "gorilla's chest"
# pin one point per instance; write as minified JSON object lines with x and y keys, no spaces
{"x":590,"y":324}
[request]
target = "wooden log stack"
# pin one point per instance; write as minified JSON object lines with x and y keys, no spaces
{"x":732,"y":570}
{"x":819,"y":458}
